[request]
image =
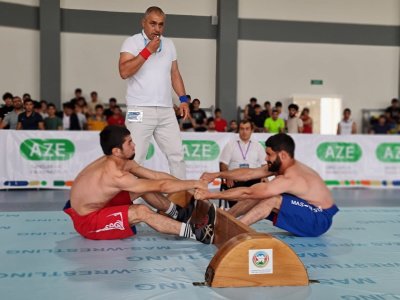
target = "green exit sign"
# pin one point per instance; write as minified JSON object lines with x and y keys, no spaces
{"x":317,"y":82}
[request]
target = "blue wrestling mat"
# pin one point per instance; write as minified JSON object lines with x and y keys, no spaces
{"x":43,"y":258}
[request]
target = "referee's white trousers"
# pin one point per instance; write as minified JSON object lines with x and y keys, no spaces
{"x":161,"y":123}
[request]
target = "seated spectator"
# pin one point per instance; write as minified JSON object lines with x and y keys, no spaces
{"x":281,"y":114}
{"x":10,"y":120}
{"x":8,"y":105}
{"x":249,"y":108}
{"x":78,"y":94}
{"x":294,"y":123}
{"x":69,"y":117}
{"x":307,"y":120}
{"x":29,"y":119}
{"x":267,"y":109}
{"x":258,"y":118}
{"x":233,"y":126}
{"x":274,"y":124}
{"x":82,"y":107}
{"x":211,"y":125}
{"x":43,"y":109}
{"x":94,"y":101}
{"x":97,"y":122}
{"x":220,"y":123}
{"x":381,"y":126}
{"x":112,"y":103}
{"x":346,"y":125}
{"x":52,"y":122}
{"x":80,"y":113}
{"x":199,"y":116}
{"x":116,"y":118}
{"x":393,"y":111}
{"x":26,"y":96}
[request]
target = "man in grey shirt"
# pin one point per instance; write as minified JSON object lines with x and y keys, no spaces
{"x":11,"y":119}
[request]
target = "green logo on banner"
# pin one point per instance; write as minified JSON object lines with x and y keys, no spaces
{"x":150,"y":151}
{"x":339,"y":152}
{"x":388,"y":152}
{"x":51,"y":149}
{"x":200,"y":150}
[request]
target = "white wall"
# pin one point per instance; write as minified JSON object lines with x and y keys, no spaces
{"x":23,"y":2}
{"x":90,"y":62}
{"x":179,"y":7}
{"x":365,"y":76}
{"x":19,"y":61}
{"x":382,"y":12}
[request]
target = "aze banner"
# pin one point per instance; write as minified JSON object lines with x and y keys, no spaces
{"x":52,"y":159}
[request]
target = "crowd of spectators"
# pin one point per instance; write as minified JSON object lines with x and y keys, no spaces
{"x":76,"y":114}
{"x":79,"y":114}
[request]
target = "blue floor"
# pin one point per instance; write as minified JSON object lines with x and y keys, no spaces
{"x":43,"y":258}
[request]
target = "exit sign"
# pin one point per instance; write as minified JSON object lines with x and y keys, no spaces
{"x":317,"y":82}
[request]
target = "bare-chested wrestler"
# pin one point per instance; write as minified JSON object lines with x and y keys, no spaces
{"x":296,"y":200}
{"x":101,"y":207}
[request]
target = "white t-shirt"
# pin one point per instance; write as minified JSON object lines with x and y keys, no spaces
{"x":237,"y":154}
{"x":346,"y":126}
{"x":151,"y":84}
{"x":293,"y":124}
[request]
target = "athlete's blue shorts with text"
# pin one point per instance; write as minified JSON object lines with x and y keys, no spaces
{"x":301,"y":218}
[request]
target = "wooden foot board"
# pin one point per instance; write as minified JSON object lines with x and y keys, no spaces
{"x":248,"y":258}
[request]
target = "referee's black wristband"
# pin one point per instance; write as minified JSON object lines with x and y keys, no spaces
{"x":184,"y":99}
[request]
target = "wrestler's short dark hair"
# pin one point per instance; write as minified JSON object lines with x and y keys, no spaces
{"x":113,"y":136}
{"x":281,"y":142}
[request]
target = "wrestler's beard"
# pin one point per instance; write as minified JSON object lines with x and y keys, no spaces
{"x":274,"y":166}
{"x":132,"y":157}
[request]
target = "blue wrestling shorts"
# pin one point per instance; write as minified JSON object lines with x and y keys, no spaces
{"x":301,"y":218}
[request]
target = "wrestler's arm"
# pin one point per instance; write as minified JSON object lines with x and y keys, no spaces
{"x":241,"y":174}
{"x":144,"y":173}
{"x":125,"y":181}
{"x":179,"y":88}
{"x":259,"y":191}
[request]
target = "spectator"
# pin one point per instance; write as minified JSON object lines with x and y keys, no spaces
{"x":381,"y":126}
{"x":26,"y":96}
{"x":249,"y":108}
{"x":220,"y":123}
{"x":346,"y":125}
{"x":258,"y":118}
{"x":267,"y":109}
{"x":97,"y":122}
{"x":81,"y":112}
{"x":393,"y":111}
{"x":52,"y":122}
{"x":69,"y":118}
{"x":29,"y":119}
{"x":10,"y":120}
{"x":78,"y":94}
{"x":274,"y":124}
{"x":233,"y":126}
{"x":199,"y":116}
{"x":112,"y":103}
{"x":43,"y":109}
{"x":307,"y":121}
{"x":294,"y":123}
{"x":211,"y":124}
{"x":281,"y":113}
{"x":8,"y":105}
{"x":94,"y":101}
{"x":241,"y":152}
{"x":117,"y":118}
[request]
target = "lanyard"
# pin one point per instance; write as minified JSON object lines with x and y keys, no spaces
{"x":146,"y":41}
{"x":244,"y":155}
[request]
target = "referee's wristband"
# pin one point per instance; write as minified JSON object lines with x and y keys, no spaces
{"x":145,"y":53}
{"x":184,"y":99}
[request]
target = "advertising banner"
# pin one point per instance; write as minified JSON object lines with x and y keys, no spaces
{"x":52,"y":159}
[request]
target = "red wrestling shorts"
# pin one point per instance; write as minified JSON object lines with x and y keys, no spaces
{"x":109,"y":223}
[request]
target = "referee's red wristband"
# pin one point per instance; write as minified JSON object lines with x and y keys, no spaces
{"x":145,"y":53}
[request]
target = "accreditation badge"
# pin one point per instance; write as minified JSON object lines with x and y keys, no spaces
{"x":134,"y":116}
